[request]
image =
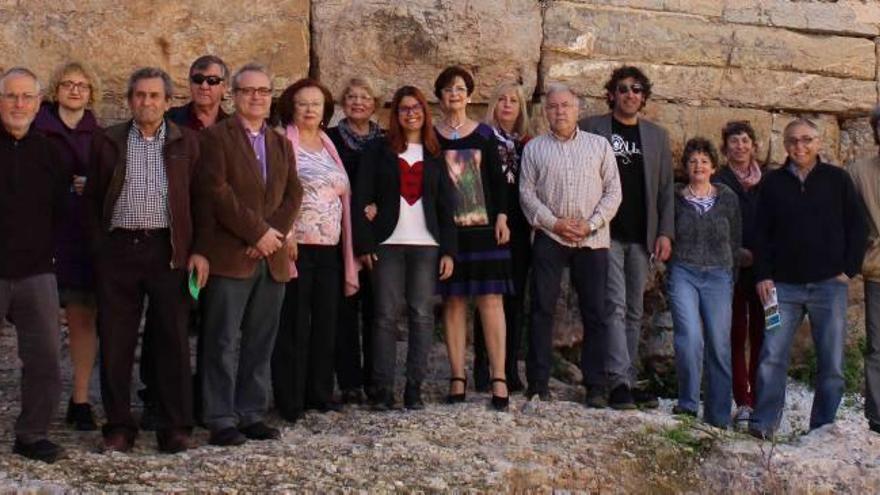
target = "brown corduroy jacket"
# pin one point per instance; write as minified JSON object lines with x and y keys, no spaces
{"x":236,"y":207}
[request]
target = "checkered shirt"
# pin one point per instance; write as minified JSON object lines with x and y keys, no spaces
{"x":143,"y":202}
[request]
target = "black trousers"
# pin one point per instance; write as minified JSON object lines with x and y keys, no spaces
{"x":589,"y":270}
{"x":303,"y":359}
{"x":132,"y":265}
{"x":354,"y":366}
{"x":521,"y":254}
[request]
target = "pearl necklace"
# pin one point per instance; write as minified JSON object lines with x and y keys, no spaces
{"x":697,"y":196}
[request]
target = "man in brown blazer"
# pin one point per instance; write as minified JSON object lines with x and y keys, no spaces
{"x":249,"y":195}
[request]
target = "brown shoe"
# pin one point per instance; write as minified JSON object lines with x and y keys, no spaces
{"x":118,"y":441}
{"x":173,"y":441}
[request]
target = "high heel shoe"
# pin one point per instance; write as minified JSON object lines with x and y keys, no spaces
{"x":457,"y":398}
{"x":500,"y":403}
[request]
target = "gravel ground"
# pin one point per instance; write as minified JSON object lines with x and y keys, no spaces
{"x":557,"y":445}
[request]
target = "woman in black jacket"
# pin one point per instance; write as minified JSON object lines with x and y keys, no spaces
{"x":404,"y":177}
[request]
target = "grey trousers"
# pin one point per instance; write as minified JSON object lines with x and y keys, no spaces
{"x":240,"y":322}
{"x":31,"y":303}
{"x":628,"y":270}
{"x":872,"y":352}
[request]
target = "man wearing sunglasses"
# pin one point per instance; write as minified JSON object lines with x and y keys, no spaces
{"x":207,"y":86}
{"x":641,"y":232}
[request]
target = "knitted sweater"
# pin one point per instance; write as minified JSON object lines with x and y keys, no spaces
{"x":710,"y":240}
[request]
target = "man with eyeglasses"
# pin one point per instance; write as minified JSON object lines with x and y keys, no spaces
{"x":33,"y":184}
{"x":569,"y":191}
{"x":250,"y":194}
{"x":207,"y":86}
{"x":641,"y":233}
{"x":810,"y":241}
{"x":142,"y":232}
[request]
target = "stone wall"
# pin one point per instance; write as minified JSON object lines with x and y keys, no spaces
{"x":765,"y":61}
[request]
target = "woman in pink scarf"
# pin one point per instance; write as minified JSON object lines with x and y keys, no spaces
{"x":302,"y":364}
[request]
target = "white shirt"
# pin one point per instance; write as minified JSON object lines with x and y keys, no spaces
{"x":411,"y":228}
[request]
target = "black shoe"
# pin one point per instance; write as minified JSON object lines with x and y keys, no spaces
{"x":352,"y":396}
{"x":543,"y":395}
{"x":498,"y":402}
{"x":150,"y":416}
{"x":621,"y":398}
{"x":875,"y":427}
{"x":760,"y":435}
{"x":681,"y":411}
{"x":291,"y":417}
{"x":227,"y":437}
{"x":260,"y":431}
{"x":597,"y":397}
{"x":383,"y":400}
{"x":328,"y":407}
{"x":80,"y":416}
{"x":173,"y":441}
{"x":457,"y":398}
{"x":412,"y":396}
{"x":41,"y":450}
{"x":645,"y":399}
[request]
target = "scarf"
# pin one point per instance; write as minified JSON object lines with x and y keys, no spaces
{"x":349,"y":262}
{"x":507,"y":153}
{"x":751,"y":176}
{"x":354,"y":140}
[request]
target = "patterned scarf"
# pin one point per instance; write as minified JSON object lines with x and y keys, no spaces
{"x":508,"y":153}
{"x":354,"y":140}
{"x":750,"y":177}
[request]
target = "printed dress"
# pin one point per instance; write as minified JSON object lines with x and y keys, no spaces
{"x":481,"y":265}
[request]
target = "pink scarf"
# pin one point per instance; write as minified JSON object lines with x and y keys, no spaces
{"x":750,"y":177}
{"x":350,"y":263}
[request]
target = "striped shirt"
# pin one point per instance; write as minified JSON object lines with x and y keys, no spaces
{"x":143,"y":201}
{"x":573,"y":178}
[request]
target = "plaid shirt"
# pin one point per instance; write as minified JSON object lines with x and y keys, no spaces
{"x":574,"y":178}
{"x":143,"y":201}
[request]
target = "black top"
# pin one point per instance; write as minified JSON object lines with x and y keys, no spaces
{"x":478,"y":182}
{"x":748,"y":208}
{"x":810,"y":231}
{"x":185,"y":116}
{"x":378,"y":181}
{"x":350,"y":156}
{"x":629,"y":224}
{"x":33,"y":184}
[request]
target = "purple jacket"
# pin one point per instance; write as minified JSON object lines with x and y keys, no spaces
{"x":73,"y":262}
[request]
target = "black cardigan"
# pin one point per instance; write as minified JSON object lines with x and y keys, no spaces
{"x":808,"y":232}
{"x":378,"y":181}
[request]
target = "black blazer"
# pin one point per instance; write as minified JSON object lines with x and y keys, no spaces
{"x":378,"y":181}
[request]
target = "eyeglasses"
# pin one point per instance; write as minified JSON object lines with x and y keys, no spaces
{"x":636,"y":89}
{"x":70,"y":85}
{"x":555,"y":107}
{"x":251,"y":91}
{"x":455,"y":89}
{"x":198,"y":79}
{"x":16,"y":97}
{"x":304,"y":105}
{"x":804,"y":140}
{"x":414,"y":110}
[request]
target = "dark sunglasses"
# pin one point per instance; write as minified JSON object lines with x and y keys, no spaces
{"x":635,"y":88}
{"x":200,"y":78}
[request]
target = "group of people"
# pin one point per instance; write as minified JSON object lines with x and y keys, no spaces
{"x":304,"y":246}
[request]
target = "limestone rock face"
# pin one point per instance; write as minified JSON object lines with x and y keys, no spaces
{"x":117,"y":37}
{"x":856,"y":140}
{"x":398,"y":43}
{"x":852,"y":17}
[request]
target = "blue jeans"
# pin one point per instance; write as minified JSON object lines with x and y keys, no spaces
{"x":700,"y":300}
{"x":825,"y":303}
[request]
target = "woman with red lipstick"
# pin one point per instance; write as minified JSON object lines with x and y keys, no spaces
{"x":302,"y":363}
{"x":409,"y":243}
{"x":352,"y":136}
{"x":67,"y":120}
{"x":707,"y":244}
{"x":508,"y":116}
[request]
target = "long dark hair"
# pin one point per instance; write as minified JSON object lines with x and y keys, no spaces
{"x":396,"y":137}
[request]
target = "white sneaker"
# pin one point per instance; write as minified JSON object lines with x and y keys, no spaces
{"x":741,"y":417}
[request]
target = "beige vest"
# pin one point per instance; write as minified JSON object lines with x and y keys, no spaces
{"x":866,"y":176}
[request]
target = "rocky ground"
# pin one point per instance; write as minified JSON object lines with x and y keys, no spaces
{"x":558,"y":445}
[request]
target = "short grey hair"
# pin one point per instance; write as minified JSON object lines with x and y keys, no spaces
{"x":19,"y":72}
{"x":250,"y":67}
{"x":150,"y":73}
{"x":559,"y":88}
{"x":799,"y":122}
{"x":206,"y":61}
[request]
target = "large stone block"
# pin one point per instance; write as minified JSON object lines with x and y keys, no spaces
{"x":397,"y":43}
{"x":677,"y":39}
{"x":709,"y":8}
{"x":856,"y":140}
{"x":767,"y":89}
{"x":850,"y":17}
{"x":117,"y":37}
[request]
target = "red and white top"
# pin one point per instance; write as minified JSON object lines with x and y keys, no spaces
{"x":411,"y":228}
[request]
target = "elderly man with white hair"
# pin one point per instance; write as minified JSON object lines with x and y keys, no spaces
{"x":569,"y":192}
{"x":33,"y":184}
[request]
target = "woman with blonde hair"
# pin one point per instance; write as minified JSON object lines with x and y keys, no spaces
{"x":67,"y":121}
{"x":508,"y":117}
